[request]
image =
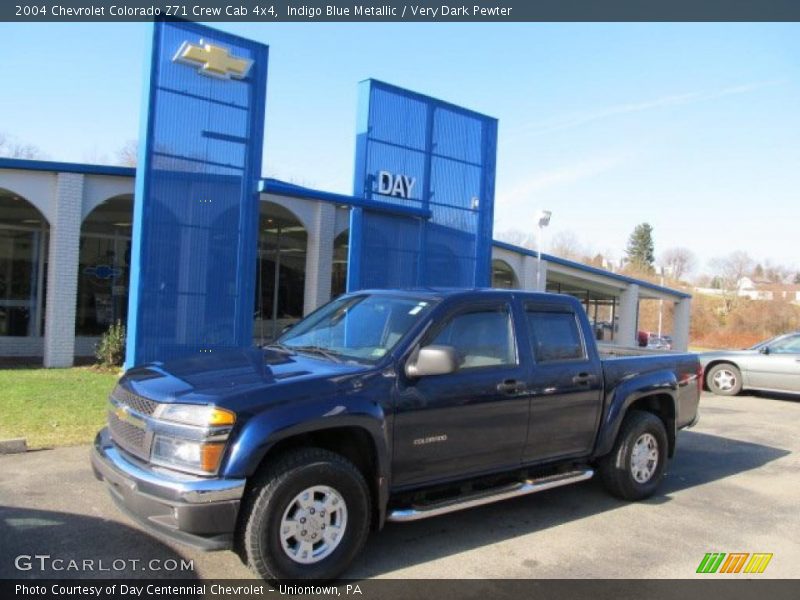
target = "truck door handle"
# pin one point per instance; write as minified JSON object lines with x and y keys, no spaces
{"x":511,"y":386}
{"x":583,"y":378}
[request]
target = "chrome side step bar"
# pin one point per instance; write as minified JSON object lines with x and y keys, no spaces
{"x":529,"y":486}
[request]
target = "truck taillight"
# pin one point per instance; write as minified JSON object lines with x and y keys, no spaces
{"x":699,"y":379}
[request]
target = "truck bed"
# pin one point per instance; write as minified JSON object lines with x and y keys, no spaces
{"x":619,"y":368}
{"x":613,"y":351}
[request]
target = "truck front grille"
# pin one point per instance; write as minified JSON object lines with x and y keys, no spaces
{"x":128,"y":436}
{"x":139,"y":404}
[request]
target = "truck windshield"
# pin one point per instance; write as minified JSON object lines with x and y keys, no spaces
{"x":360,"y":327}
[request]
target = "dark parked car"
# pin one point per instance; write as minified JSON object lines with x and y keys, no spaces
{"x":386,"y":405}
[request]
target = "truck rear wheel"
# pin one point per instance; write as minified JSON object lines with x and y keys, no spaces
{"x":635,"y":466}
{"x":307,"y":517}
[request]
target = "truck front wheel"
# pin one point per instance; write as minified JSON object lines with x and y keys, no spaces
{"x":635,"y":466}
{"x":306,"y":517}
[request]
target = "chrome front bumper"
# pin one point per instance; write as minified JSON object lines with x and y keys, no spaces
{"x":198,"y":511}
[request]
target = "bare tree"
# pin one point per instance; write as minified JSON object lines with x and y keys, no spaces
{"x":729,"y":270}
{"x":732,"y":268}
{"x":566,"y":245}
{"x":518,"y":238}
{"x":127,"y":155}
{"x":11,"y":148}
{"x":94,"y":156}
{"x":678,"y":261}
{"x":776,"y":273}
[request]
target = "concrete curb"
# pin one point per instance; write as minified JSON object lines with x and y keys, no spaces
{"x":15,"y":446}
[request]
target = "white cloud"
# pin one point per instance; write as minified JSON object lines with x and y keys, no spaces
{"x":525,"y":190}
{"x":579,"y":119}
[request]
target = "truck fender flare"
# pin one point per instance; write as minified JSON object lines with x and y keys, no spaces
{"x":262,"y":433}
{"x":661,"y":383}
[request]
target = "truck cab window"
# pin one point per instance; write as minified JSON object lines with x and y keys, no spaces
{"x":554,"y":336}
{"x":483,"y":338}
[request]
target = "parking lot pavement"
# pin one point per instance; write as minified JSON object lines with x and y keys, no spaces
{"x":732,"y":487}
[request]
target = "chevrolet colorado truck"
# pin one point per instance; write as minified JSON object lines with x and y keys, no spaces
{"x":386,"y":406}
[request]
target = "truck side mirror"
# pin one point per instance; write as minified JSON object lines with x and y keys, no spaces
{"x":433,"y":360}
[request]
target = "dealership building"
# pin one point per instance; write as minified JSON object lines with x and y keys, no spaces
{"x":65,"y":249}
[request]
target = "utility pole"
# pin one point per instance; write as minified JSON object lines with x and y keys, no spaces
{"x":543,"y":221}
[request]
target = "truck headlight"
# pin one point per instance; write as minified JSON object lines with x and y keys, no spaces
{"x":198,"y":415}
{"x":187,"y":455}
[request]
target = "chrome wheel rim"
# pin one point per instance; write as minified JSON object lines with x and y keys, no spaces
{"x":313,"y":524}
{"x":644,"y":458}
{"x":724,"y":380}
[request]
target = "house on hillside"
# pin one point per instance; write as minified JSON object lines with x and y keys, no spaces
{"x":758,"y":289}
{"x":763,"y":289}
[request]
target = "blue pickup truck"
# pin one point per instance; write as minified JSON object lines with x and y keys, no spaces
{"x":386,"y":406}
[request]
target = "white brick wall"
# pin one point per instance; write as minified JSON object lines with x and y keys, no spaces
{"x":21,"y":346}
{"x":85,"y":345}
{"x":524,"y":267}
{"x":681,"y":322}
{"x":628,"y":313}
{"x":62,"y":271}
{"x":34,"y":346}
{"x":532,"y":265}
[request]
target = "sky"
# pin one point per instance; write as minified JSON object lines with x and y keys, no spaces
{"x":693,"y":128}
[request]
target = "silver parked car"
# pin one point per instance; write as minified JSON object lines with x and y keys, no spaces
{"x":772,"y":366}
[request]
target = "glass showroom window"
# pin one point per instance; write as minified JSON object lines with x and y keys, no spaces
{"x":23,"y":252}
{"x":339,"y":268}
{"x":281,"y":271}
{"x":103,"y":270}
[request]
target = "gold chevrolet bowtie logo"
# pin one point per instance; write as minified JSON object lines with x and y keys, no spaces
{"x":213,"y":60}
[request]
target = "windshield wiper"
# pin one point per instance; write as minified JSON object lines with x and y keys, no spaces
{"x":278,"y":346}
{"x":329,"y":354}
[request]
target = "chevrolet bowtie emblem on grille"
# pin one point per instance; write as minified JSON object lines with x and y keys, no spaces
{"x":214,"y":61}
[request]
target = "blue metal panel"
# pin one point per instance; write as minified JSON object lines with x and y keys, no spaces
{"x":195,"y":221}
{"x":416,"y":152}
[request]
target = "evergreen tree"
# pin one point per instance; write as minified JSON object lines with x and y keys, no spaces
{"x":640,"y":249}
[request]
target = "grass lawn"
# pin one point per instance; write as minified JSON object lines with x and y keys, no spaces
{"x":54,"y":407}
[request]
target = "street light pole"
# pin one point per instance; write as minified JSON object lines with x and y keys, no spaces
{"x":543,"y":221}
{"x":660,"y":306}
{"x":661,"y":271}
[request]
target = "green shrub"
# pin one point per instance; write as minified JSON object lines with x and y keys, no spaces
{"x":110,"y":351}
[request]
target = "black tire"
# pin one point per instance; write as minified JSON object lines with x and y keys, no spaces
{"x":724,"y":379}
{"x":622,"y":479}
{"x":274,"y":493}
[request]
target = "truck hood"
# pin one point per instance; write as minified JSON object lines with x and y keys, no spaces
{"x":220,"y":377}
